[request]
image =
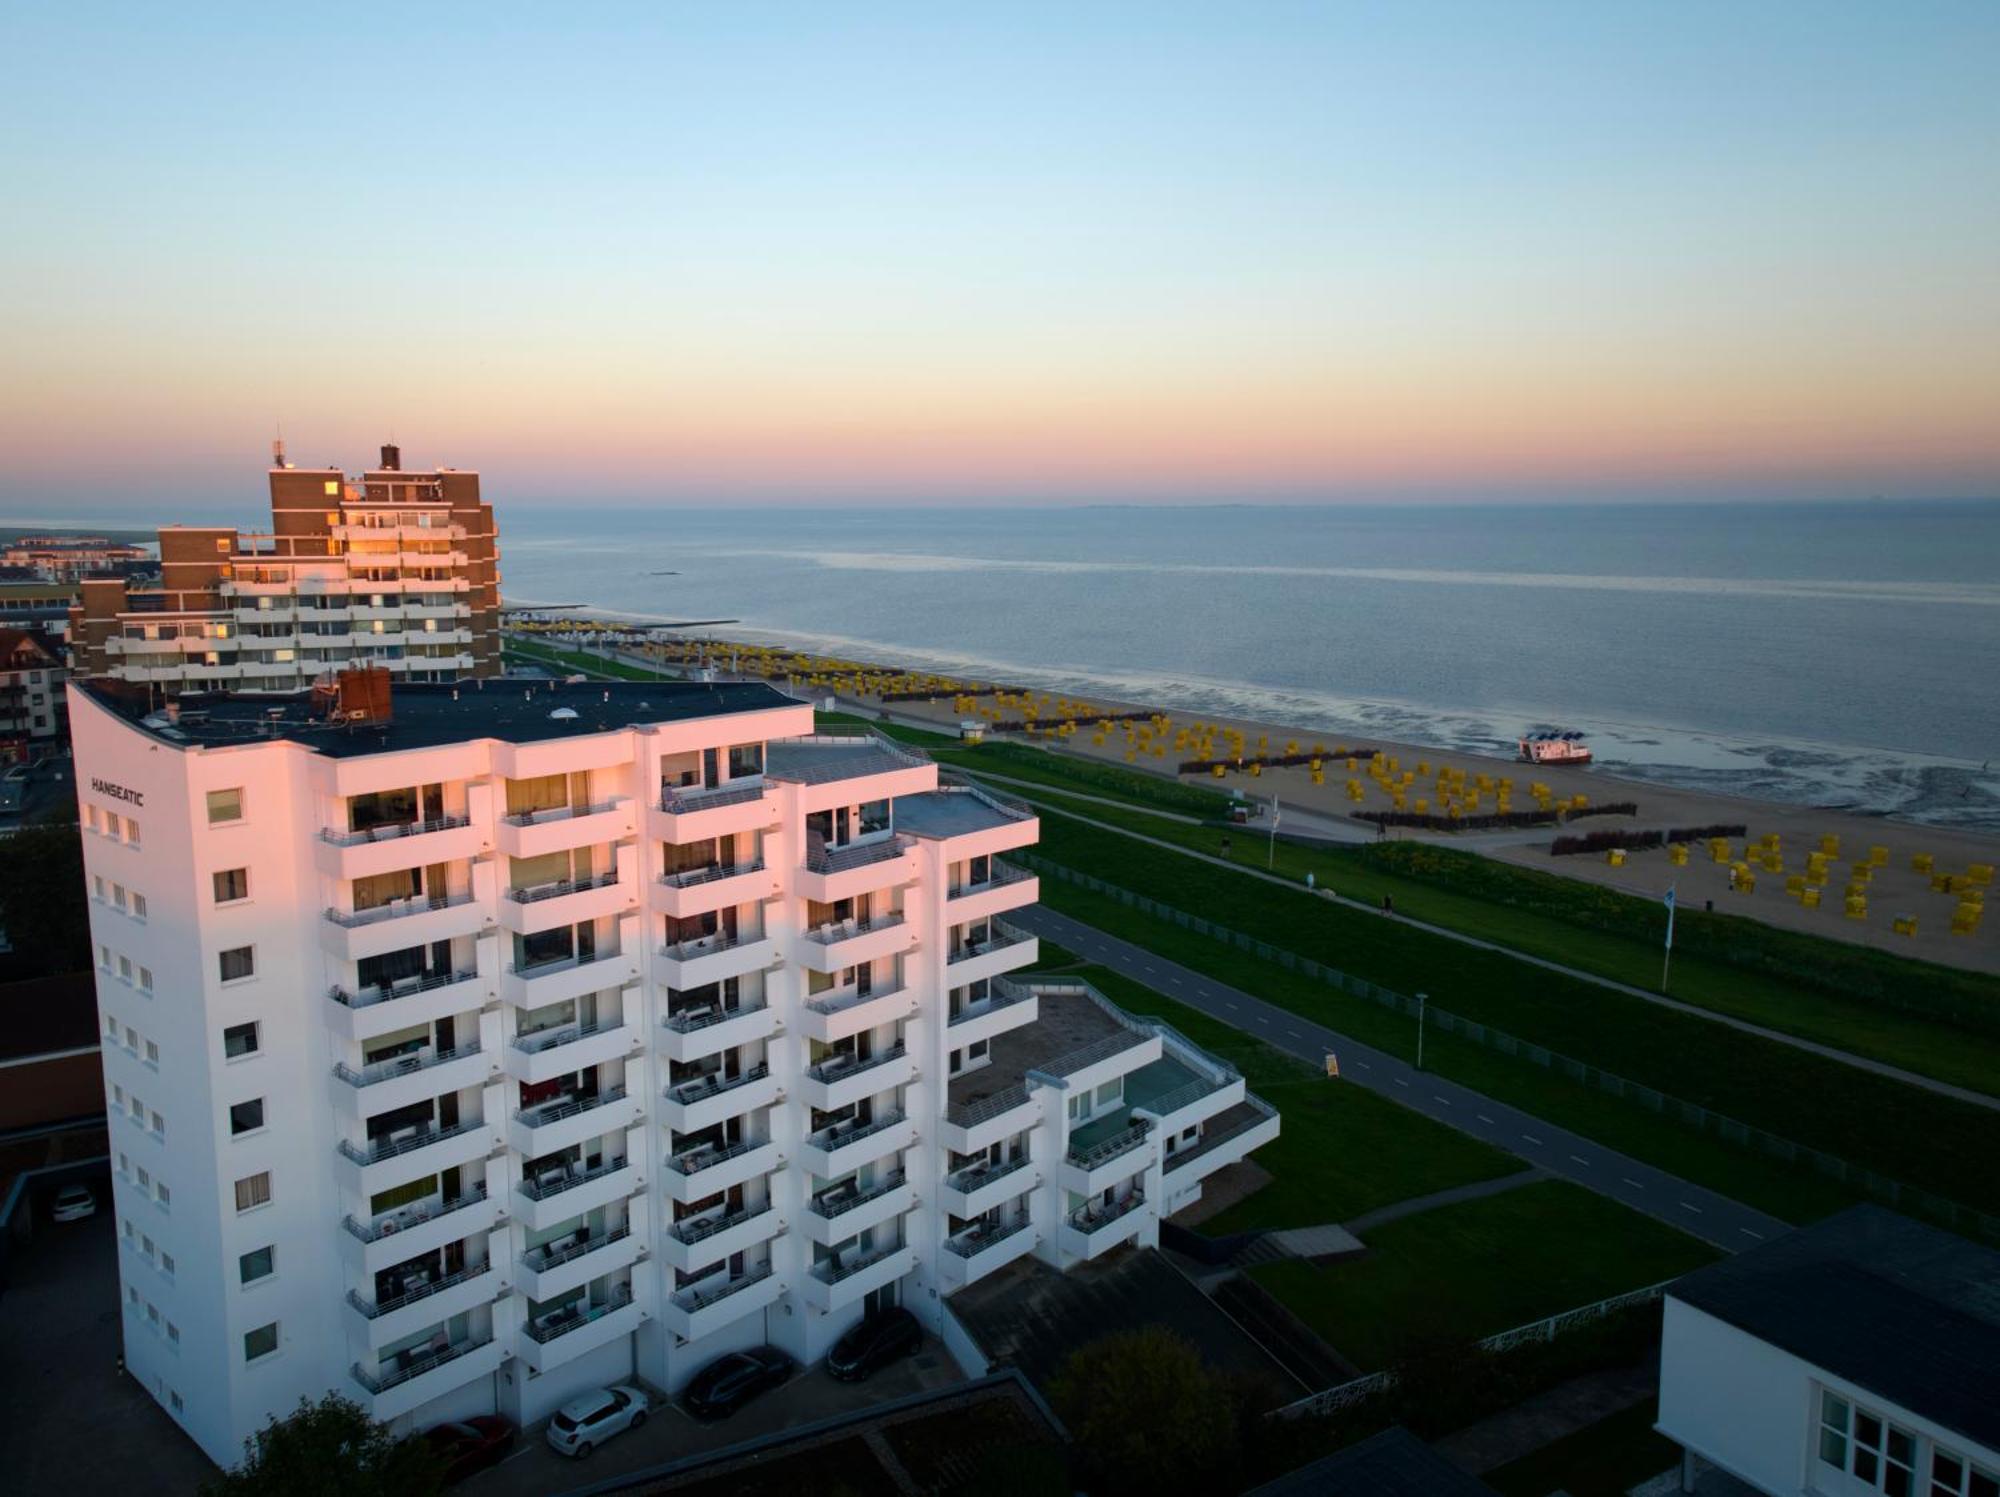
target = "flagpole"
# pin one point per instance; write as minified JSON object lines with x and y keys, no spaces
{"x":1271,"y":856}
{"x":1667,"y":957}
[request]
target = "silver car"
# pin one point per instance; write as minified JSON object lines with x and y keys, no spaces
{"x":584,"y":1423}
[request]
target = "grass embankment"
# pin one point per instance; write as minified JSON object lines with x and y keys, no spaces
{"x":1884,"y":1125}
{"x":1605,"y":1459}
{"x":528,"y":653}
{"x":1478,"y":1268}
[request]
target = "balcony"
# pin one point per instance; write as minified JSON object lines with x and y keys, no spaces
{"x":562,"y":1195}
{"x":384,"y":849}
{"x":1095,"y":1230}
{"x":545,"y":1054}
{"x":708,"y":1100}
{"x":979,"y":1188}
{"x":1006,"y":1006}
{"x":565,"y":978}
{"x":387,"y":1085}
{"x":838,"y":1282}
{"x":1003,"y":951}
{"x":354,"y":934}
{"x":568,"y":901}
{"x":1105,"y":1160}
{"x":536,"y":1131}
{"x":696,"y":1033}
{"x":700,"y":1173}
{"x":561,"y":1266}
{"x":1005,"y":888}
{"x":691,"y":814}
{"x":832,"y":874}
{"x":979,"y":1250}
{"x":702,"y":891}
{"x":705,"y":1307}
{"x":700,"y":1241}
{"x":845,"y":1013}
{"x":367,"y":1013}
{"x":844,"y":1211}
{"x":530,"y":834}
{"x":845,"y":1147}
{"x":452,"y":1294}
{"x":707,"y":959}
{"x":837,"y":946}
{"x":1225,"y":1138}
{"x":841,"y":1081}
{"x":409,"y":1383}
{"x":411,"y":1154}
{"x":424,"y":1227}
{"x":578,"y":1329}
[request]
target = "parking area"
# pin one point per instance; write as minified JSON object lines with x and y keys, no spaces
{"x":75,"y":1422}
{"x":670,"y":1435}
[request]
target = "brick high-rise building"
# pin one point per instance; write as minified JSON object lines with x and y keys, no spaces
{"x":389,"y":568}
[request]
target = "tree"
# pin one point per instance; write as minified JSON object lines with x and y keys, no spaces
{"x":1146,"y":1415}
{"x":330,"y":1449}
{"x":43,"y":907}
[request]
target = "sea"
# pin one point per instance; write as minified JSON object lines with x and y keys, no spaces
{"x":1839,"y":654}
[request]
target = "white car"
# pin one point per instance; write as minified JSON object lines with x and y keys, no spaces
{"x":584,"y":1423}
{"x":74,"y":1203}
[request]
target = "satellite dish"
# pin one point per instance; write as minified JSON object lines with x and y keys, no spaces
{"x":564,"y":714}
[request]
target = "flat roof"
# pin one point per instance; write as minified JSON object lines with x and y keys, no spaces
{"x":1394,"y":1463}
{"x":817,"y":759}
{"x":510,"y":708}
{"x":947,"y":813}
{"x":1902,"y":1309}
{"x":1065,"y":1022}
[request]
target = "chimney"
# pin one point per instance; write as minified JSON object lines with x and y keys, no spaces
{"x":392,"y":458}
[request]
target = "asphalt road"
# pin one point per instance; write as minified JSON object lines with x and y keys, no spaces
{"x":1700,"y":1212}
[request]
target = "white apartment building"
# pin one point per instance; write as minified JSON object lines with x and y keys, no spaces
{"x":541,"y":1036}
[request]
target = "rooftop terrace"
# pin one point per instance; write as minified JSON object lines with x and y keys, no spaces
{"x":955,"y":811}
{"x":1070,"y":1025}
{"x":821,"y":757}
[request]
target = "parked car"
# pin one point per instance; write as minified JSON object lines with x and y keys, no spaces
{"x":74,"y":1203}
{"x":727,"y":1383}
{"x":585,"y":1423}
{"x":471,"y":1445}
{"x":873,"y":1343}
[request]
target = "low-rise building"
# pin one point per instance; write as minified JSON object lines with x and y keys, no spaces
{"x":32,"y":705}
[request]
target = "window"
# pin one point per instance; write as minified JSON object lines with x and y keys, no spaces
{"x":162,"y":1194}
{"x":260,"y":1342}
{"x":131,"y":831}
{"x":232,"y":884}
{"x":745,"y":759}
{"x":1952,"y":1475}
{"x":125,"y":969}
{"x":173,"y":1334}
{"x":253,"y":1191}
{"x":238,"y":963}
{"x":145,"y":979}
{"x":246,"y":1117}
{"x":260,"y":1264}
{"x":138,"y":906}
{"x":225,"y":806}
{"x":239,"y":1039}
{"x":1867,"y":1446}
{"x":117,"y":896}
{"x":159,"y":1125}
{"x":175,"y":1398}
{"x":152,"y":1053}
{"x":97,"y":884}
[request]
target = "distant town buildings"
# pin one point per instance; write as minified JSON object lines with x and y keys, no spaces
{"x":32,"y":706}
{"x":65,"y":558}
{"x":392,"y":569}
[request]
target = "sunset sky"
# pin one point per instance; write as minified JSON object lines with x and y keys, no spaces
{"x":1024,"y":252}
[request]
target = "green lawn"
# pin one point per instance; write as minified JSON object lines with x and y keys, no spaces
{"x":536,"y":653}
{"x":1462,"y":1272}
{"x":1340,"y":1150}
{"x":1884,"y":1125}
{"x":1605,"y":1459}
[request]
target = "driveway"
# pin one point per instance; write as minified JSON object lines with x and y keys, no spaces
{"x":60,"y":1339}
{"x":670,"y":1435}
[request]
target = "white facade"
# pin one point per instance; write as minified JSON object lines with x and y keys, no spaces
{"x":1787,"y":1427}
{"x":583,"y":1058}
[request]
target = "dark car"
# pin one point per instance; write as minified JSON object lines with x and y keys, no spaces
{"x":874,"y":1343}
{"x":727,"y":1383}
{"x":470,"y":1445}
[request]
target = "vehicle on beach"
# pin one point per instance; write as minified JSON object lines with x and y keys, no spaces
{"x":1564,"y":750}
{"x":585,"y":1423}
{"x":727,"y":1383}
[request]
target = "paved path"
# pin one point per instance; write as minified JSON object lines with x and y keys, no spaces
{"x":1473,"y":1192}
{"x":1701,"y":1212}
{"x":1744,"y":1026}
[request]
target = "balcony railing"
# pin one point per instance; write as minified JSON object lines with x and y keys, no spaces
{"x":421,"y":1292}
{"x":401,"y":1065}
{"x":682,"y":799}
{"x":554,"y":964}
{"x":692,"y":1232}
{"x":836,"y":1202}
{"x":1000,"y":994}
{"x":396,"y":909}
{"x":689,"y":878}
{"x":692,"y":1162}
{"x":1185,"y":1096}
{"x":823,"y":859}
{"x":1001,"y":938}
{"x":1106,"y":1150}
{"x":569,"y":1107}
{"x":403,"y":1218}
{"x":979,"y":1176}
{"x":840,"y":1135}
{"x":535,"y":893}
{"x":833,"y":1269}
{"x":722,"y":940}
{"x":389,"y":1148}
{"x":714,"y":1085}
{"x":840,"y":1067}
{"x":549,"y":1187}
{"x":381,"y":1382}
{"x":837,"y":931}
{"x":538,"y":1040}
{"x":972,"y":1114}
{"x":385,"y":992}
{"x":974,"y":1240}
{"x":838,"y":1002}
{"x":558,"y":813}
{"x":690,"y":1020}
{"x":553,"y":1255}
{"x":999,"y":876}
{"x":391,"y":831}
{"x":700,"y":1295}
{"x":1088,"y":1219}
{"x":571,"y":1319}
{"x":1006,"y":805}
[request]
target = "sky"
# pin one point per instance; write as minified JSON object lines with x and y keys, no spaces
{"x":1025,"y":253}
